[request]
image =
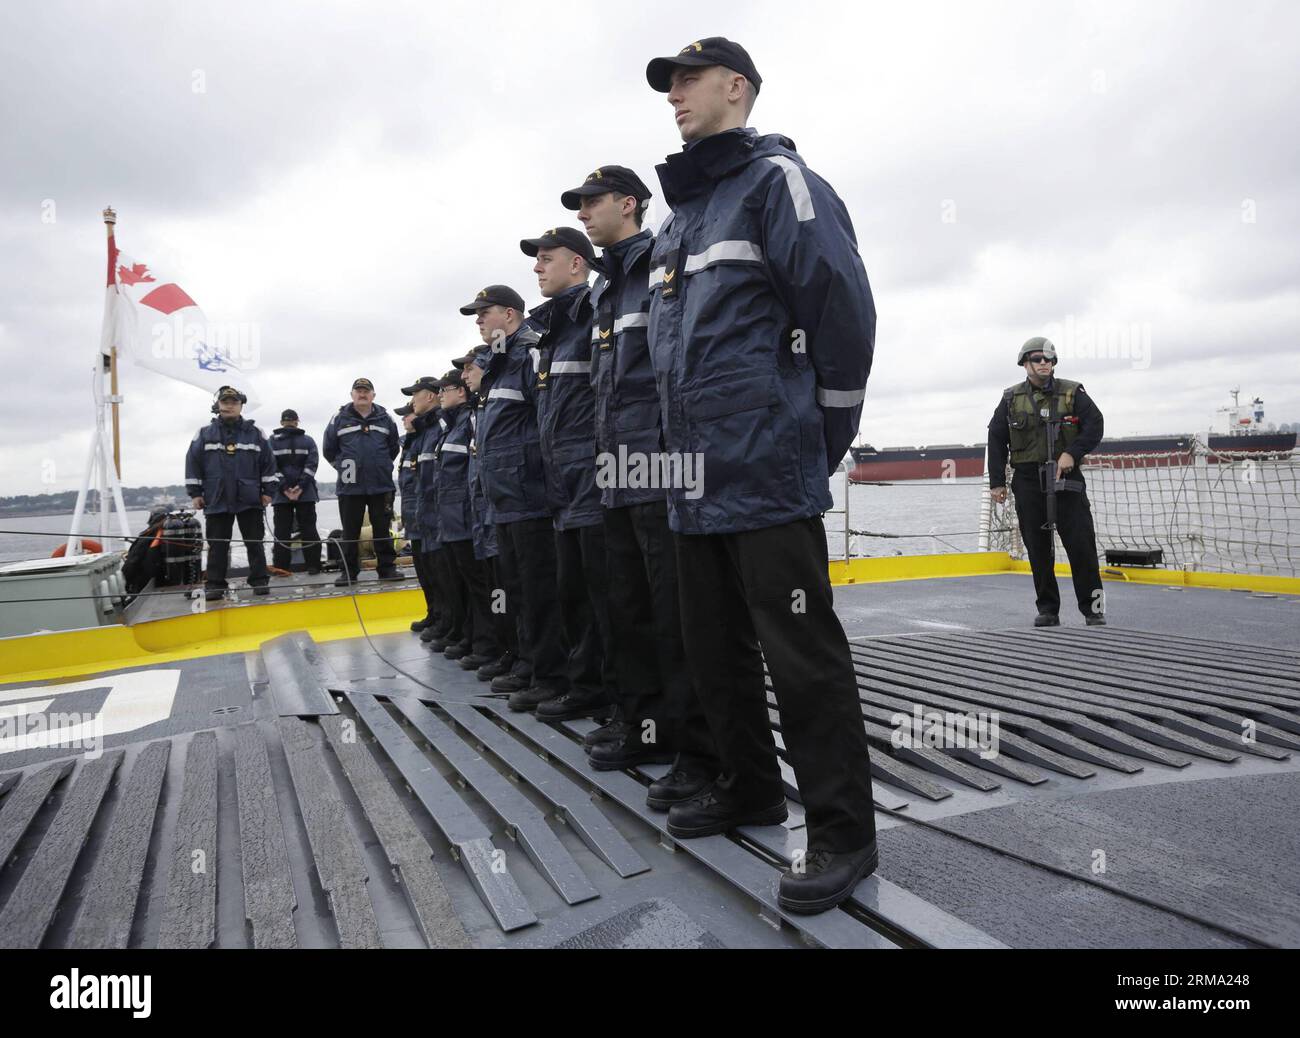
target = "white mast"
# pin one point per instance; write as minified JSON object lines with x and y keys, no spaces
{"x":103,"y":470}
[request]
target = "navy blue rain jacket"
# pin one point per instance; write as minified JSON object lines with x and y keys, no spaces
{"x":230,"y":465}
{"x":406,"y":487}
{"x":296,"y":458}
{"x":509,"y":447}
{"x":566,"y":408}
{"x":627,"y":399}
{"x":362,"y":450}
{"x":455,"y":517}
{"x":762,"y":327}
{"x":429,"y":428}
{"x":485,"y":530}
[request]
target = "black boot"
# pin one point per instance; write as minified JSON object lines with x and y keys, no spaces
{"x":509,"y":682}
{"x":677,"y":786}
{"x":713,"y":812}
{"x":474,"y":660}
{"x":1095,"y":621}
{"x":822,"y":879}
{"x":628,"y":752}
{"x":342,"y":580}
{"x":456,"y":651}
{"x":529,"y":698}
{"x":420,"y":625}
{"x":1047,"y":620}
{"x":392,"y":573}
{"x":497,"y":667}
{"x":571,"y":705}
{"x":613,"y":730}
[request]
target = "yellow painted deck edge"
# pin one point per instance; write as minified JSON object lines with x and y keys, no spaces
{"x":244,"y":628}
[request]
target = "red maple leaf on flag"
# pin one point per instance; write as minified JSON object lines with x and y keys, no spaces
{"x":138,"y":272}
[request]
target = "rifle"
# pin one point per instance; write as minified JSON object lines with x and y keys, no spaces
{"x":1047,"y":480}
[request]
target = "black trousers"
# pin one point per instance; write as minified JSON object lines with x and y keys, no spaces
{"x":252,"y":528}
{"x":475,"y":575}
{"x":1074,"y":525}
{"x":646,"y":630}
{"x":527,"y":550}
{"x":424,"y":573}
{"x":451,"y":594}
{"x":583,"y":583}
{"x":305,"y":513}
{"x":352,"y":511}
{"x":766,"y":594}
{"x":503,"y":617}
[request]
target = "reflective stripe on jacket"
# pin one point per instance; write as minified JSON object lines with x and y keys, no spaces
{"x":762,"y":327}
{"x":362,"y":450}
{"x":566,"y":408}
{"x":230,"y":465}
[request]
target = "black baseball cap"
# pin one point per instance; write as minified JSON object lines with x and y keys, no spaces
{"x":557,"y":237}
{"x":404,"y":410}
{"x":364,"y":383}
{"x":618,"y":179}
{"x":452,"y":378}
{"x":288,"y":415}
{"x":713,"y":50}
{"x":230,"y":393}
{"x":460,"y":362}
{"x":494,"y":295}
{"x":423,"y":382}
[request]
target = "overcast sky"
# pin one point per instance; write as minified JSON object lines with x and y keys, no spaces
{"x":342,"y":176}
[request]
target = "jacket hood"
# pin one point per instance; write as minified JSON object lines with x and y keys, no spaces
{"x":242,"y":423}
{"x":622,"y":256}
{"x":702,"y":163}
{"x":376,"y":411}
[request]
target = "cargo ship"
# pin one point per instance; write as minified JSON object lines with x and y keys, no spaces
{"x":1247,"y":434}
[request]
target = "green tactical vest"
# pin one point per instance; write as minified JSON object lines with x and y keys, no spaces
{"x":1027,"y":421}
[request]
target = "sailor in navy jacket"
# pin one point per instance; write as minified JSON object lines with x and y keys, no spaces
{"x":566,"y":419}
{"x":654,"y":684}
{"x":296,"y":494}
{"x":762,"y":327}
{"x":510,"y":472}
{"x":230,"y":474}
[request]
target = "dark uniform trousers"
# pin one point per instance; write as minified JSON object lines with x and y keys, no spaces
{"x":583,"y":583}
{"x":505,"y":615}
{"x":252,"y":528}
{"x":766,"y":594}
{"x":1074,"y":524}
{"x":352,"y":510}
{"x":527,"y":553}
{"x":305,"y":514}
{"x":474,"y":575}
{"x":424,"y":573}
{"x":454,"y":627}
{"x":646,"y":631}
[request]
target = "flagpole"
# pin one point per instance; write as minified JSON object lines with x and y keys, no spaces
{"x":110,"y":219}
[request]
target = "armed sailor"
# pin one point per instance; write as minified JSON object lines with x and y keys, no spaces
{"x":1047,"y":425}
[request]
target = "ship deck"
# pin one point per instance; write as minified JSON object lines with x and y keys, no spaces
{"x":307,"y":793}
